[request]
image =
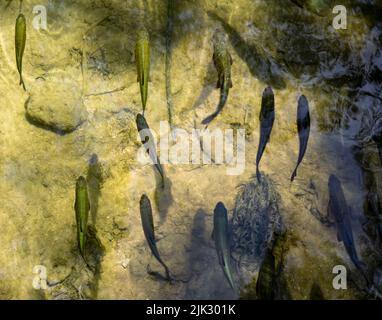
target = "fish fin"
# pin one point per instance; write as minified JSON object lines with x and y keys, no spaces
{"x":210,"y":118}
{"x":221,"y":260}
{"x":258,"y":175}
{"x":294,"y":174}
{"x":22,"y":83}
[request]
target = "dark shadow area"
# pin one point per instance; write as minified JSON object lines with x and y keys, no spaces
{"x":95,"y":255}
{"x":96,"y":249}
{"x":209,"y":86}
{"x":197,"y":258}
{"x":95,"y":179}
{"x":316,"y":292}
{"x":259,"y":64}
{"x":163,"y":197}
{"x":42,"y":126}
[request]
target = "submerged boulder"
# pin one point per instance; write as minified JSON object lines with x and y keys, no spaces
{"x":56,"y":106}
{"x":256,"y":220}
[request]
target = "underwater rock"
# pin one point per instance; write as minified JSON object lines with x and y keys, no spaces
{"x":270,"y":271}
{"x":270,"y":283}
{"x":56,"y":106}
{"x":255,"y":218}
{"x":377,"y":279}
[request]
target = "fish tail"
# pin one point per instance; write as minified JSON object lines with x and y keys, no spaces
{"x":223,"y":99}
{"x":22,"y":83}
{"x":163,"y":184}
{"x":167,"y":270}
{"x":211,"y":117}
{"x":258,"y":175}
{"x":294,"y":174}
{"x":224,"y":94}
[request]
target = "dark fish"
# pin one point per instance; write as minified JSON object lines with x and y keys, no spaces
{"x":142,"y":59}
{"x":221,"y":236}
{"x":148,"y":140}
{"x":261,"y":65}
{"x":267,"y":117}
{"x":223,"y":61}
{"x":20,"y":39}
{"x":338,"y":209}
{"x":303,"y":127}
{"x":148,"y":229}
{"x":82,"y":207}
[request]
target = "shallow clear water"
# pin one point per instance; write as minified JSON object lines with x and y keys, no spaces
{"x":81,"y":72}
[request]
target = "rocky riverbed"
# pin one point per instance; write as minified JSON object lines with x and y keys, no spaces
{"x":77,"y":117}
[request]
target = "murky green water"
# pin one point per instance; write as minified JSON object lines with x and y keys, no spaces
{"x":77,"y":117}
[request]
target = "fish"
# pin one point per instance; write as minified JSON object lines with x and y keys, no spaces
{"x":142,"y":59}
{"x":222,"y":61}
{"x":220,"y":235}
{"x":303,"y":128}
{"x":20,"y":39}
{"x":260,"y":63}
{"x":148,"y":140}
{"x":267,"y":118}
{"x":82,"y":208}
{"x":148,"y":230}
{"x":338,"y":208}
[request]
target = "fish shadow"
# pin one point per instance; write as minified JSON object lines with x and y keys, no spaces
{"x":95,"y":179}
{"x":163,"y":199}
{"x":208,"y":87}
{"x":95,"y":247}
{"x":196,"y":255}
{"x":95,"y":254}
